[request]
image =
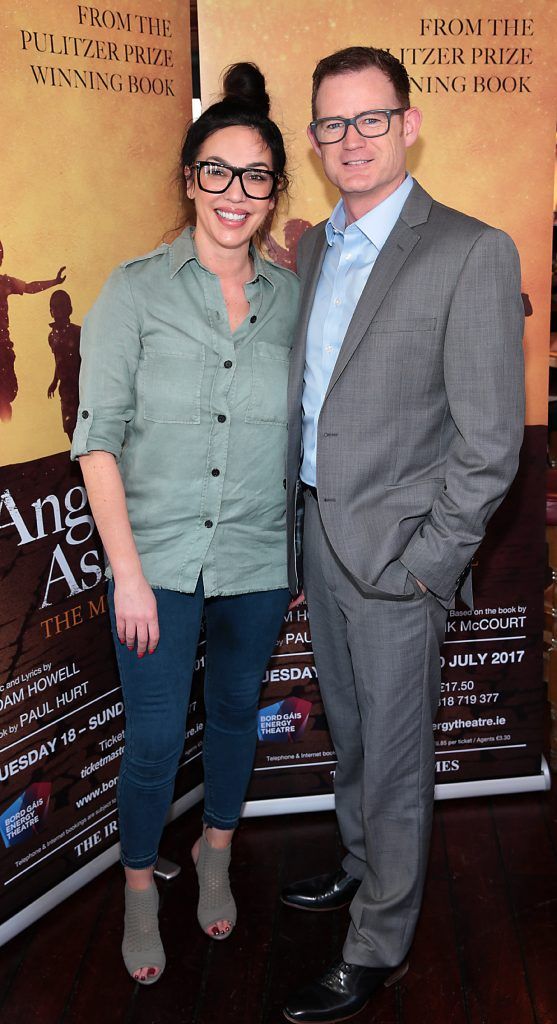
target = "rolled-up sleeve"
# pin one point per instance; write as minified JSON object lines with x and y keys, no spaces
{"x":110,"y":350}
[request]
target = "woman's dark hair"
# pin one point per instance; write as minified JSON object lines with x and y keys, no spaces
{"x":245,"y":102}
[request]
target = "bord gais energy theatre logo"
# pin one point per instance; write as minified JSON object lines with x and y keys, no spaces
{"x":284,"y":721}
{"x":26,"y":815}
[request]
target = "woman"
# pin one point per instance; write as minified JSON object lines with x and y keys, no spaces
{"x":181,"y":437}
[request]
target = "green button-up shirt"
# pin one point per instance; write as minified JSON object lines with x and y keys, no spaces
{"x":195,"y":416}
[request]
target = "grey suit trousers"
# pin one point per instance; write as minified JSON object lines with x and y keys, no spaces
{"x":379,"y":673}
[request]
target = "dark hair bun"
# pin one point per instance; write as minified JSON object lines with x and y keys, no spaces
{"x":244,"y":83}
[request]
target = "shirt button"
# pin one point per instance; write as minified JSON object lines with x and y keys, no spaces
{"x":252,"y":319}
{"x":208,"y":523}
{"x":85,"y":414}
{"x":328,"y":348}
{"x":337,"y":302}
{"x":215,"y":472}
{"x":227,"y":364}
{"x":221,"y":417}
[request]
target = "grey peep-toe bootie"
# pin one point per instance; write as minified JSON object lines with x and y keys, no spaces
{"x":142,"y":946}
{"x":216,"y":902}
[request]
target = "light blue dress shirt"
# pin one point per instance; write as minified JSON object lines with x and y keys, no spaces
{"x":349,"y":259}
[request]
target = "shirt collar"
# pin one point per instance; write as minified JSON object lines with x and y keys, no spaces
{"x":378,"y":223}
{"x":183,"y":250}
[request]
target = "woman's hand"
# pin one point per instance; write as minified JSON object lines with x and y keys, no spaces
{"x":136,"y":614}
{"x":134,"y":601}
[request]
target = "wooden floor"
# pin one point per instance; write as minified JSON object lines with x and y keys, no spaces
{"x":485,"y":949}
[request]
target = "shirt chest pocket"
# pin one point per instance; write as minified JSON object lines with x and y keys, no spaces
{"x":171,"y":385}
{"x":269,"y":381}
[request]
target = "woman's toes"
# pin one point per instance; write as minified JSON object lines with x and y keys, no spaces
{"x":146,"y":972}
{"x":219,"y":928}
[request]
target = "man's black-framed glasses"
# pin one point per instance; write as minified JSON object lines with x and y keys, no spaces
{"x":256,"y":182}
{"x":370,"y":124}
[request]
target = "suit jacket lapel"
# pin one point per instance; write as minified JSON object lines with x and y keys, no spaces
{"x":388,"y":264}
{"x":298,"y":356}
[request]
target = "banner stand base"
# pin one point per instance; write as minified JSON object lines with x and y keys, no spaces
{"x":166,"y":870}
{"x":496,"y":787}
{"x":444,"y":791}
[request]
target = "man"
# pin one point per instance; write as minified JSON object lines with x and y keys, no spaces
{"x":408,"y":370}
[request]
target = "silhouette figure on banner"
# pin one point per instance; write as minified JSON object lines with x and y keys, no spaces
{"x":293,"y":231}
{"x":13,"y":286}
{"x":64,"y":342}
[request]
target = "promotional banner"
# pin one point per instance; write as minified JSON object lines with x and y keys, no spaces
{"x":295,"y":755}
{"x":94,"y":106}
{"x":484,"y":81}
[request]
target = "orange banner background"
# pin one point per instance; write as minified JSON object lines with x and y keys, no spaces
{"x":91,"y":143}
{"x":487,"y":142}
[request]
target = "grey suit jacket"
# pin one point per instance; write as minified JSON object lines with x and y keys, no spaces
{"x":421,"y":427}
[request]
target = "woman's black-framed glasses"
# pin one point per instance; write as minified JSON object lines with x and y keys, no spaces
{"x":256,"y":182}
{"x":370,"y":123}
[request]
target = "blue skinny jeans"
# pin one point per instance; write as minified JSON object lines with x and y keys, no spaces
{"x":241,"y":633}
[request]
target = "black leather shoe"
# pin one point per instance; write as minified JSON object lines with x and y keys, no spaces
{"x":340,"y":994}
{"x":322,"y":892}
